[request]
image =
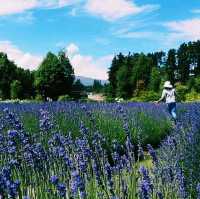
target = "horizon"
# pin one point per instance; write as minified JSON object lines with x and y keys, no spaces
{"x":91,"y":31}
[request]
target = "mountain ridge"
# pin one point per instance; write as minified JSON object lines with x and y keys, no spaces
{"x":88,"y":81}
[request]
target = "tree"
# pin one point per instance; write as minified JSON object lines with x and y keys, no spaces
{"x":16,"y":90}
{"x":26,"y":77}
{"x":122,"y":85}
{"x":155,"y":80}
{"x":197,"y":84}
{"x":55,"y":76}
{"x":157,"y":58}
{"x":142,"y":70}
{"x":129,"y":65}
{"x":194,"y":56}
{"x":171,"y":65}
{"x":78,"y":90}
{"x":97,"y":86}
{"x":117,"y":62}
{"x":68,"y":71}
{"x":7,"y":75}
{"x":183,"y":63}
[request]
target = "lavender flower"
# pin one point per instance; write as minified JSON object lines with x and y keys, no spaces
{"x":152,"y":153}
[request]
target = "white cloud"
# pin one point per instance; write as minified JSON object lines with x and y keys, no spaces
{"x":26,"y":17}
{"x":88,"y":66}
{"x":72,"y":49}
{"x":73,"y":12}
{"x":83,"y":65}
{"x":196,"y":11}
{"x":56,"y":3}
{"x":112,"y":10}
{"x":16,"y":6}
{"x":9,"y":7}
{"x":22,"y":59}
{"x":184,"y":30}
{"x":125,"y":33}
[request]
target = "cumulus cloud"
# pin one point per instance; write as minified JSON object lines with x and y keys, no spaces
{"x":72,"y":50}
{"x":86,"y":65}
{"x":22,"y":59}
{"x":83,"y":65}
{"x":112,"y":10}
{"x":184,"y":30}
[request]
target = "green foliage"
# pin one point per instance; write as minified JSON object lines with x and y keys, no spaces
{"x":112,"y":73}
{"x":157,"y":58}
{"x":122,"y":84}
{"x":78,"y":90}
{"x":142,"y":70}
{"x":26,"y":78}
{"x":192,"y":96}
{"x":145,"y":96}
{"x":109,"y":99}
{"x":55,"y":76}
{"x":127,"y":72}
{"x":194,"y":49}
{"x":171,"y":65}
{"x":125,"y":84}
{"x":7,"y":75}
{"x":16,"y":90}
{"x":155,"y":80}
{"x":38,"y":98}
{"x":9,"y":72}
{"x":64,"y":98}
{"x":197,"y":84}
{"x":152,"y":130}
{"x":183,"y":63}
{"x":181,"y":91}
{"x":97,"y":87}
{"x":191,"y":83}
{"x":128,"y":75}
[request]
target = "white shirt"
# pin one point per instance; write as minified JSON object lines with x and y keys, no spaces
{"x":169,"y":95}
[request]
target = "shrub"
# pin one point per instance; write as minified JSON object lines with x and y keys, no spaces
{"x":109,"y":99}
{"x":64,"y":98}
{"x":192,"y":96}
{"x":38,"y":98}
{"x":181,"y":91}
{"x":146,"y":96}
{"x":191,"y":83}
{"x":197,"y":84}
{"x":16,"y":90}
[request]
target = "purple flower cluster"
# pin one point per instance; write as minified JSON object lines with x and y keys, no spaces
{"x":86,"y":161}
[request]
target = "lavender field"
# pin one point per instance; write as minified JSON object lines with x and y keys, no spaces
{"x":99,"y":150}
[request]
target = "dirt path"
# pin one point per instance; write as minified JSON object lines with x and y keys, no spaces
{"x":96,"y":97}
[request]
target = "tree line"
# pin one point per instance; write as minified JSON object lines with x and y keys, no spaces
{"x":130,"y":74}
{"x":54,"y":78}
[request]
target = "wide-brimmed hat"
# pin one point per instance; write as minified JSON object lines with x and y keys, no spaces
{"x":167,"y":84}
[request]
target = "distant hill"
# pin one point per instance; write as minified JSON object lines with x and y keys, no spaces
{"x":89,"y":81}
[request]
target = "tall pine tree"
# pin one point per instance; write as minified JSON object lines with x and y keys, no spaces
{"x":183,"y":63}
{"x":171,"y":65}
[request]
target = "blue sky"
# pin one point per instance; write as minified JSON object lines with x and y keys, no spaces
{"x":93,"y":31}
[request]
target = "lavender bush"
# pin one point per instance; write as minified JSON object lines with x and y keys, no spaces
{"x":105,"y":150}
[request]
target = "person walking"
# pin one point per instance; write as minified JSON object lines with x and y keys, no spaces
{"x":169,"y":95}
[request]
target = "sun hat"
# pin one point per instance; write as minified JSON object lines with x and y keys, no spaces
{"x":167,"y":84}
